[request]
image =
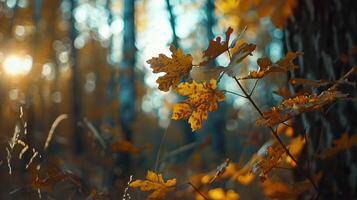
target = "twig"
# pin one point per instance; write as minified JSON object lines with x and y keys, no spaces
{"x":234,"y":93}
{"x":158,"y":155}
{"x":255,"y":85}
{"x":95,"y":133}
{"x":180,"y":150}
{"x":198,"y":191}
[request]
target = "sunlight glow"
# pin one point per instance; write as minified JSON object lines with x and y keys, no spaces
{"x":17,"y":65}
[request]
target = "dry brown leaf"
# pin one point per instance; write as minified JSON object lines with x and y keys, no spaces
{"x":216,"y":47}
{"x":300,"y":104}
{"x":176,"y":67}
{"x":267,"y":67}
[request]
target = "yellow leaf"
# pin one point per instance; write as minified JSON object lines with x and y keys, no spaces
{"x":156,"y":183}
{"x":202,"y":98}
{"x":176,"y":67}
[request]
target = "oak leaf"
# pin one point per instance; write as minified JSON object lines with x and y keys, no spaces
{"x":266,"y":66}
{"x":176,"y":67}
{"x":216,"y":47}
{"x":202,"y":98}
{"x":300,"y":104}
{"x":156,"y":183}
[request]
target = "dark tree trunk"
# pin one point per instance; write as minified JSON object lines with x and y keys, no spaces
{"x":326,"y":30}
{"x":216,"y":121}
{"x":185,"y":127}
{"x":127,"y":81}
{"x":76,"y":90}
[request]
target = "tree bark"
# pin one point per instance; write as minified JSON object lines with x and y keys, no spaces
{"x":325,"y":30}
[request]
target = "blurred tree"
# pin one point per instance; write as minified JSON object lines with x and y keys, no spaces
{"x":216,"y":121}
{"x":127,"y":80}
{"x":185,"y":127}
{"x":326,"y":32}
{"x":76,"y":90}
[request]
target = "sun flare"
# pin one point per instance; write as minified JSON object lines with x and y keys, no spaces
{"x":17,"y":65}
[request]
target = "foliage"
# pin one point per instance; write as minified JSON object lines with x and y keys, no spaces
{"x":176,"y":67}
{"x":202,"y":98}
{"x":102,"y":161}
{"x":156,"y":183}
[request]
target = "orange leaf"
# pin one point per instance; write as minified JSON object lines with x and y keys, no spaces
{"x":216,"y":47}
{"x":267,"y":67}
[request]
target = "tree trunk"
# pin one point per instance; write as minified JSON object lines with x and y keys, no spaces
{"x":325,"y":30}
{"x":76,"y":90}
{"x":127,"y":81}
{"x":216,"y":121}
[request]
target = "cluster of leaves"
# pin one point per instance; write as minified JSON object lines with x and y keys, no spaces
{"x":203,"y":97}
{"x":297,"y":105}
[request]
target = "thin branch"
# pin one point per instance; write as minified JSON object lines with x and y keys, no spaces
{"x":221,"y":76}
{"x":255,"y":85}
{"x":179,"y":150}
{"x":275,"y":134}
{"x":198,"y":191}
{"x":230,"y":92}
{"x":95,"y":133}
{"x":158,"y":155}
